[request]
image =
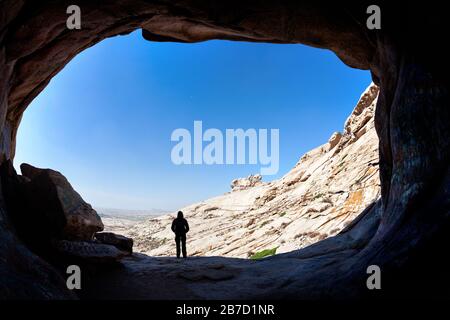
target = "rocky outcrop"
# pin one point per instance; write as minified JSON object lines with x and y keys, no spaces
{"x":245,"y":183}
{"x":120,"y":242}
{"x":334,"y":140}
{"x":404,"y":232}
{"x":89,"y":252}
{"x":45,"y":199}
{"x":328,"y":188}
{"x":53,"y":219}
{"x":51,"y":196}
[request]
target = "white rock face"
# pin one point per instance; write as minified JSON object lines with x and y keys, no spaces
{"x":323,"y":193}
{"x":245,"y":183}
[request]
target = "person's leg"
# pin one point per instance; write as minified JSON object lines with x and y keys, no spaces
{"x":177,"y":241}
{"x":183,"y":241}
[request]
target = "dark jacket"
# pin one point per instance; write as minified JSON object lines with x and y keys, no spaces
{"x":180,"y":226}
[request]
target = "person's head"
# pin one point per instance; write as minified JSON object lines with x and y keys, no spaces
{"x":180,"y":214}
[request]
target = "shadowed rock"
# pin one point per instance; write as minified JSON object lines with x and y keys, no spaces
{"x":89,"y":252}
{"x":120,"y":242}
{"x":51,"y":195}
{"x":43,"y":207}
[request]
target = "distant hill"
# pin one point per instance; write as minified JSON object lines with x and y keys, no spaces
{"x":129,"y":214}
{"x":116,"y":220}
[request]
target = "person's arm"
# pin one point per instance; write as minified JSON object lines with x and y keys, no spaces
{"x":186,"y":226}
{"x":173,"y":226}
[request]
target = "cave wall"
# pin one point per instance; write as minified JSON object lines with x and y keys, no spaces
{"x":407,"y":59}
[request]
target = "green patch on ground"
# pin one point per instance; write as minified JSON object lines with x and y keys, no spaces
{"x":264,"y":253}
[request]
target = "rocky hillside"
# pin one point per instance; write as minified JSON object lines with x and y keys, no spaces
{"x":325,"y":191}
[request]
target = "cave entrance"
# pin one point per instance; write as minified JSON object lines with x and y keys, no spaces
{"x":106,"y":122}
{"x":405,"y":58}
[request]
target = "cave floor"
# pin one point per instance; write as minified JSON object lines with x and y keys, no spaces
{"x":168,"y":278}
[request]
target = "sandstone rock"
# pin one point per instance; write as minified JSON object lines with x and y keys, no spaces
{"x":30,"y":226}
{"x":89,"y":252}
{"x":334,"y":140}
{"x":363,"y":111}
{"x":50,"y":194}
{"x":120,"y":242}
{"x":244,"y":183}
{"x":215,"y":275}
{"x":42,"y":207}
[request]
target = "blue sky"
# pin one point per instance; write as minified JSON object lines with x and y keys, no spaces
{"x":106,"y":119}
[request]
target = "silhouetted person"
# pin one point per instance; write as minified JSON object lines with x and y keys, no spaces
{"x":180,"y":227}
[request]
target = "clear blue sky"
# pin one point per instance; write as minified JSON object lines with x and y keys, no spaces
{"x":106,"y":119}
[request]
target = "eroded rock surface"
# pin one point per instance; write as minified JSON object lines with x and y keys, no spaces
{"x":51,"y":197}
{"x":53,"y":219}
{"x":245,"y":183}
{"x":120,"y":242}
{"x":89,"y":252}
{"x":45,"y":196}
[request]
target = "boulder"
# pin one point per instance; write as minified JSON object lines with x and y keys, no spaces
{"x":89,"y":252}
{"x":245,"y":183}
{"x":120,"y":242}
{"x":26,"y":223}
{"x":334,"y":140}
{"x":51,"y":197}
{"x":43,"y":206}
